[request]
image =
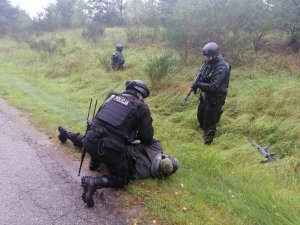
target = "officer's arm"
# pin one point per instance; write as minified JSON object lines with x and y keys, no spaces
{"x":122,"y":59}
{"x":214,"y":86}
{"x":145,"y":128}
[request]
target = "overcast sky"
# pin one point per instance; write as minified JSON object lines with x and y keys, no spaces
{"x":32,"y":7}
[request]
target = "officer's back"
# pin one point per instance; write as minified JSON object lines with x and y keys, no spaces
{"x":125,"y":116}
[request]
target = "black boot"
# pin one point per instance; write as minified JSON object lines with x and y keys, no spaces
{"x":208,"y":142}
{"x":90,"y":185}
{"x":207,"y":139}
{"x":63,"y":134}
{"x":209,"y":135}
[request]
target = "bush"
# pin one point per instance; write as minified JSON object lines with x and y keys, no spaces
{"x":46,"y":46}
{"x":160,"y":66}
{"x":93,"y":31}
{"x":150,"y":34}
{"x":133,"y":34}
{"x":105,"y":62}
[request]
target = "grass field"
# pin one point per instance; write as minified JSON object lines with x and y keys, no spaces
{"x":219,"y":184}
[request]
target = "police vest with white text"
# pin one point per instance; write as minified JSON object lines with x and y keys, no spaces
{"x":120,"y":112}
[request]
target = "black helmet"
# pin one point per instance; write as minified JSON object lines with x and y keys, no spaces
{"x":139,"y":86}
{"x":119,"y":47}
{"x":211,"y":49}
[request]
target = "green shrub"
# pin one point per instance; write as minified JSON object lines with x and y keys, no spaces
{"x":93,"y":31}
{"x":47,"y":46}
{"x":132,"y":34}
{"x":105,"y":62}
{"x":160,"y":66}
{"x":149,"y":34}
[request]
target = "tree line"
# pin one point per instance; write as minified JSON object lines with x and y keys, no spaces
{"x":238,"y":25}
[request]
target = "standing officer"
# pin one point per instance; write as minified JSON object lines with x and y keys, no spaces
{"x":122,"y":119}
{"x":213,"y":82}
{"x":117,"y":58}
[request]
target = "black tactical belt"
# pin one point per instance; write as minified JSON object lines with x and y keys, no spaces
{"x":101,"y":131}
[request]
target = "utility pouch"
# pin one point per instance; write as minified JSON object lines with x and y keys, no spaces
{"x":96,"y":134}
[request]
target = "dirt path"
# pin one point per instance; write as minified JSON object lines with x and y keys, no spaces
{"x":39,"y":182}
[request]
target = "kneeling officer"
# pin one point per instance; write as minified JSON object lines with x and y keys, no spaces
{"x":122,"y":119}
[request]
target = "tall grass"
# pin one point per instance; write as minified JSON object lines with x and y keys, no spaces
{"x":93,"y":32}
{"x":159,"y":66}
{"x":143,"y":34}
{"x":105,"y":62}
{"x":46,"y":46}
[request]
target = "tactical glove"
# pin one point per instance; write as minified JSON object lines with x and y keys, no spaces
{"x":194,"y":87}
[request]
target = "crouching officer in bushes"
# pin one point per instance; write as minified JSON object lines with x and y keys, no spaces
{"x":122,"y":119}
{"x":117,"y":58}
{"x":213,"y":82}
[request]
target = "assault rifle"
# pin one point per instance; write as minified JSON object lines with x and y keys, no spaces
{"x":88,"y":124}
{"x":269,"y":157}
{"x":198,"y":78}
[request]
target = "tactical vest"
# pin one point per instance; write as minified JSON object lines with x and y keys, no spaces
{"x":117,"y":111}
{"x":210,"y":72}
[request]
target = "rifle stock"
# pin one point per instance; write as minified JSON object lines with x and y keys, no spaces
{"x":269,"y":157}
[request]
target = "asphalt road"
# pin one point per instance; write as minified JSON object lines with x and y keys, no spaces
{"x":36,"y":185}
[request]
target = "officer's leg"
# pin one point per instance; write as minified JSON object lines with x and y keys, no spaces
{"x":92,"y":149}
{"x":200,"y":113}
{"x":219,"y":114}
{"x":210,"y":121}
{"x":220,"y":110}
{"x":91,"y":184}
{"x":122,"y":66}
{"x":117,"y":164}
{"x":118,"y":66}
{"x":76,"y":138}
{"x":94,"y":163}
